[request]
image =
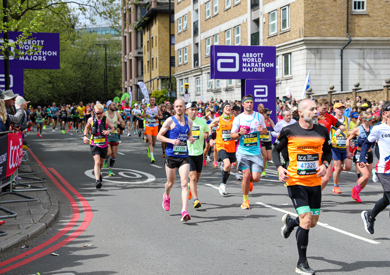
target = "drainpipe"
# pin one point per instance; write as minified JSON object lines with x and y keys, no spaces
{"x":342,"y":49}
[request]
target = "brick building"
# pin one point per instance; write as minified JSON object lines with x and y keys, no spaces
{"x":308,"y":35}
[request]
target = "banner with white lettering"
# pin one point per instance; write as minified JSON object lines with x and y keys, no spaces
{"x":144,"y":91}
{"x":3,"y":156}
{"x":15,"y":152}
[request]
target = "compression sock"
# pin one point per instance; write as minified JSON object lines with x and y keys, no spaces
{"x":379,"y":206}
{"x":112,"y":162}
{"x":225,"y":176}
{"x":302,"y":242}
{"x":245,"y":197}
{"x":358,"y":188}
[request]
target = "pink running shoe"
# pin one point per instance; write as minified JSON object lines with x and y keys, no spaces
{"x":185,"y":217}
{"x":166,"y":202}
{"x":215,"y":164}
{"x":204,"y":163}
{"x":355,"y":195}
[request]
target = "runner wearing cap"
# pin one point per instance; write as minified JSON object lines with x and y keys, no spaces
{"x":39,"y":120}
{"x":247,"y":127}
{"x":225,"y":145}
{"x":199,"y":133}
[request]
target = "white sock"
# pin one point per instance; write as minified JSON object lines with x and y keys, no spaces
{"x":151,"y":155}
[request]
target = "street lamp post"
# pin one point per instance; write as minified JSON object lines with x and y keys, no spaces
{"x":6,"y":39}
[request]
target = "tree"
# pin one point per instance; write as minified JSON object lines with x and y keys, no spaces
{"x":161,"y":96}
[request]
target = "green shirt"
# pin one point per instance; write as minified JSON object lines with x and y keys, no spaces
{"x":199,"y":127}
{"x":39,"y":118}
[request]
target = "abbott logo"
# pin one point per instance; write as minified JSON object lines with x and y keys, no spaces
{"x":261,"y":90}
{"x":228,"y":60}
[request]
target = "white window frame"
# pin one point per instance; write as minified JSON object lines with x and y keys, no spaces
{"x":179,"y":26}
{"x":277,"y":67}
{"x":364,"y":2}
{"x":215,"y":7}
{"x":237,"y":35}
{"x":185,"y":59}
{"x":208,"y":10}
{"x":209,"y":81}
{"x":228,"y":3}
{"x":197,"y":84}
{"x":288,"y":55}
{"x":238,"y":81}
{"x":181,"y":86}
{"x":228,"y":37}
{"x":287,"y":8}
{"x":217,"y":83}
{"x":272,"y":22}
{"x":236,"y":2}
{"x":230,"y":82}
{"x":179,"y":52}
{"x":216,"y":39}
{"x":208,"y":46}
{"x":184,"y":22}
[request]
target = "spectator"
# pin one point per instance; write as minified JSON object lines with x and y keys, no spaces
{"x":347,"y":111}
{"x":4,"y":119}
{"x":14,"y":116}
{"x":21,"y":103}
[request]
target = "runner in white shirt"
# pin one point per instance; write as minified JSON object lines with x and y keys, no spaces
{"x":287,"y":120}
{"x":381,"y":134}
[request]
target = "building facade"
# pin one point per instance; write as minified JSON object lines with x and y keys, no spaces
{"x":308,"y":35}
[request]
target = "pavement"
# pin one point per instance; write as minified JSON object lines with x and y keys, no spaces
{"x":33,"y":217}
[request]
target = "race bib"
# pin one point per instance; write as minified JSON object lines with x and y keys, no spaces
{"x":250,"y":140}
{"x":265,"y":137}
{"x":226,"y":135}
{"x":99,"y":140}
{"x":181,"y":149}
{"x":162,"y":122}
{"x":307,"y":164}
{"x":341,"y":142}
{"x":195,"y":132}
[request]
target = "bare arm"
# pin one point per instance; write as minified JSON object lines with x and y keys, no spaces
{"x":165,"y":128}
{"x":355,"y":132}
{"x":122,"y":123}
{"x":111,"y":126}
{"x":86,"y":130}
{"x":213,"y":124}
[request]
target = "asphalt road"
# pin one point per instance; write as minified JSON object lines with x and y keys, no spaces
{"x":130,"y":233}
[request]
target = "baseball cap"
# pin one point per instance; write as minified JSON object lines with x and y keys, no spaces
{"x":108,"y":103}
{"x":135,"y":104}
{"x":338,"y":105}
{"x":365,"y":105}
{"x":192,"y":105}
{"x":39,"y":107}
{"x":354,"y":115}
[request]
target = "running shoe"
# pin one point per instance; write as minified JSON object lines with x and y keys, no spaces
{"x":152,"y":160}
{"x":147,"y":149}
{"x":44,"y":127}
{"x":53,"y":130}
{"x":263,"y":174}
{"x":189,"y":194}
{"x":204,"y":163}
{"x":234,"y":164}
{"x":166,"y":202}
{"x":245,"y":205}
{"x":135,"y":132}
{"x":286,"y":231}
{"x":333,"y":169}
{"x":222,"y":189}
{"x":110,"y":173}
{"x":2,"y":222}
{"x":139,"y":134}
{"x":208,"y":159}
{"x":63,"y":132}
{"x":304,"y":268}
{"x":250,"y":186}
{"x":105,"y":163}
{"x":368,"y":222}
{"x":374,"y":176}
{"x":238,"y":176}
{"x":40,"y":136}
{"x":98,"y":184}
{"x":355,"y":195}
{"x":336,"y":190}
{"x":215,"y":164}
{"x":197,"y":204}
{"x":163,"y":155}
{"x":128,"y":134}
{"x":69,"y":130}
{"x":185,"y":217}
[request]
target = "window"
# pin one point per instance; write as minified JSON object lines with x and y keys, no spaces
{"x":172,"y":39}
{"x":359,"y":5}
{"x":172,"y":61}
{"x":209,"y":82}
{"x":186,"y":80}
{"x":236,"y":2}
{"x":277,"y":66}
{"x":208,"y":11}
{"x":287,"y":64}
{"x":217,"y":83}
{"x":181,"y":86}
{"x":215,"y":6}
{"x":216,"y":39}
{"x":230,"y":82}
{"x":185,"y":55}
{"x":227,"y":4}
{"x":208,"y":44}
{"x":237,"y":35}
{"x":285,"y":17}
{"x":184,"y":22}
{"x":197,"y":82}
{"x":238,"y":81}
{"x":228,"y":40}
{"x":272,"y":22}
{"x":179,"y":25}
{"x":179,"y":54}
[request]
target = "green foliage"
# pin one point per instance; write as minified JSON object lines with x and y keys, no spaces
{"x":161,"y":96}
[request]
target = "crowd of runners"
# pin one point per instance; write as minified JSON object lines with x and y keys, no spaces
{"x":311,"y":141}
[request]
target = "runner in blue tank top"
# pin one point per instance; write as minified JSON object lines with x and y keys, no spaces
{"x":178,"y":129}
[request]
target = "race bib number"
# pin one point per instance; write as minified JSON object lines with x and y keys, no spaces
{"x":226,"y":135}
{"x":341,"y":142}
{"x":265,"y":137}
{"x":195,"y":132}
{"x":307,"y":164}
{"x":357,"y":156}
{"x":250,"y":140}
{"x":181,"y":149}
{"x":99,"y":140}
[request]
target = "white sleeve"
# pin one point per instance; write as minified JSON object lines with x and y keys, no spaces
{"x":278,"y":126}
{"x":262,"y":121}
{"x":374,"y":135}
{"x":236,"y":125}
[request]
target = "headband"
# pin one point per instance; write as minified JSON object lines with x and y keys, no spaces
{"x":248,"y":98}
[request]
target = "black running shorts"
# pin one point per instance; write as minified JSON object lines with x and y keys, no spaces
{"x":174,"y":162}
{"x":196,"y":163}
{"x":305,"y":199}
{"x":222,"y":154}
{"x":102,"y":152}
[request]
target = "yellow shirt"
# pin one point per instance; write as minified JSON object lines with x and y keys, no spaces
{"x":80,"y":110}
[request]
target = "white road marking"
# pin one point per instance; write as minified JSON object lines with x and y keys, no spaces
{"x":323,"y":225}
{"x":120,"y":153}
{"x":154,"y":165}
{"x":212,"y":186}
{"x":265,"y":179}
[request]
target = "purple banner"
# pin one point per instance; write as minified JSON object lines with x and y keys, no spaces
{"x":243,"y":62}
{"x":47,"y":58}
{"x":16,"y":83}
{"x":263,"y":91}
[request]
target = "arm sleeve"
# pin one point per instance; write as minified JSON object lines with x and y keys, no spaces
{"x":327,"y":149}
{"x":236,"y":125}
{"x":336,"y":123}
{"x":15,"y":119}
{"x":279,"y":145}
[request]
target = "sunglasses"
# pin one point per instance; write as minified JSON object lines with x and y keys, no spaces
{"x":99,"y":113}
{"x":367,"y":119}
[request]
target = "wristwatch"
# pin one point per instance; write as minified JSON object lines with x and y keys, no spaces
{"x":326,"y":164}
{"x":239,"y":134}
